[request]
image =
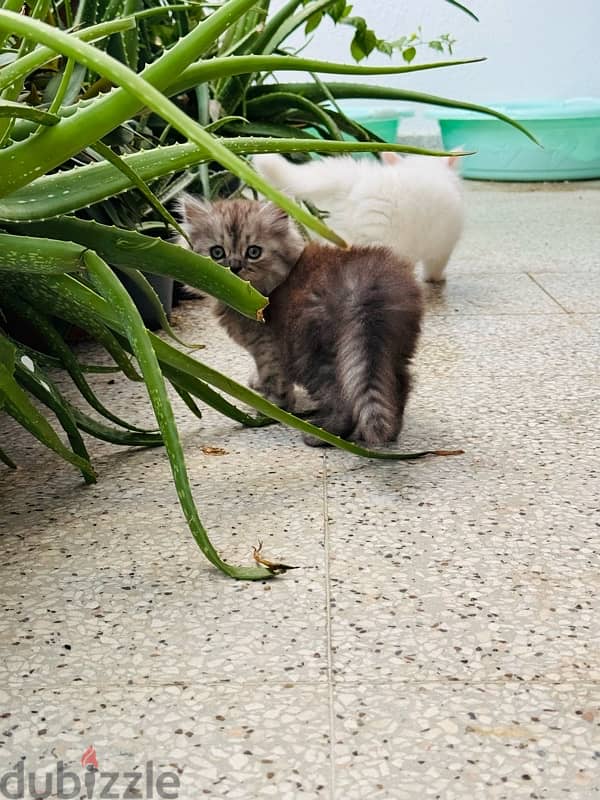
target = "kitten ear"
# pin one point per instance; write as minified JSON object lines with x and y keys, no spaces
{"x":390,"y":158}
{"x":274,"y":216}
{"x":193,"y":210}
{"x":454,"y":161}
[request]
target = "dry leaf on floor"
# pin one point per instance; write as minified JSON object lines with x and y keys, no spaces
{"x":275,"y":568}
{"x":213,"y":451}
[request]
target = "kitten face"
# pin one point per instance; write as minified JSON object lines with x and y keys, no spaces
{"x":255,"y":240}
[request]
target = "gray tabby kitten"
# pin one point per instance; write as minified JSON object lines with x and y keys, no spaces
{"x":341,"y":323}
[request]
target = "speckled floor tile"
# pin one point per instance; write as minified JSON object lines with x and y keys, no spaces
{"x":539,"y":430}
{"x":215,"y":741}
{"x":520,"y":227}
{"x":482,"y":593}
{"x":443,"y":622}
{"x":515,"y":345}
{"x":575,"y":291}
{"x":433,"y":563}
{"x":489,"y":293}
{"x":133,"y":475}
{"x":135,"y":600}
{"x":456,"y":742}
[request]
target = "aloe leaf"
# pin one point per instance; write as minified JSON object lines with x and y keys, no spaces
{"x":66,"y":84}
{"x":25,"y":254}
{"x":80,"y":316}
{"x":232,"y":92}
{"x":463,"y":8}
{"x":113,"y":435}
{"x":62,"y":351}
{"x":6,"y":459}
{"x":288,"y":101}
{"x":353,"y":128}
{"x":13,"y":110}
{"x":147,"y":289}
{"x":187,"y":399}
{"x":260,"y":145}
{"x":269,"y":129}
{"x":147,"y":94}
{"x":25,"y":64}
{"x":97,"y":118}
{"x":359,"y":90}
{"x":213,"y":127}
{"x":40,"y":386}
{"x":194,"y":386}
{"x":9,"y":5}
{"x":139,"y":338}
{"x":135,"y":180}
{"x":18,"y":405}
{"x":273,"y":36}
{"x":46,"y":361}
{"x":131,"y":249}
{"x":70,"y":190}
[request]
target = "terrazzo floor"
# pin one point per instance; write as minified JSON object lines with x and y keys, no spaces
{"x":441,"y":638}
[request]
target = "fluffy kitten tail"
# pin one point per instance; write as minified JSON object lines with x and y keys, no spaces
{"x":276,"y":169}
{"x":303,"y":181}
{"x":368,"y":380}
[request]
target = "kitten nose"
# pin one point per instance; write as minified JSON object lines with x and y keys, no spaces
{"x":235,"y":265}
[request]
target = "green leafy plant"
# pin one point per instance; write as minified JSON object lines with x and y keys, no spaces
{"x":365,"y":40}
{"x":111,"y":100}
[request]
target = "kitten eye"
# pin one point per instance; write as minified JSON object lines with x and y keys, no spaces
{"x":217,"y":252}
{"x":254,"y":251}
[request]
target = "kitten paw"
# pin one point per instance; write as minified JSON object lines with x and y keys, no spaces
{"x":254,"y":381}
{"x":437,"y":280}
{"x":313,"y":441}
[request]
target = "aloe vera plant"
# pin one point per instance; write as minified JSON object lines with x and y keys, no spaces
{"x":73,"y":88}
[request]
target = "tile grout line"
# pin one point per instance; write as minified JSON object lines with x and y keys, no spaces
{"x":547,"y":293}
{"x":444,"y":681}
{"x":330,"y":694}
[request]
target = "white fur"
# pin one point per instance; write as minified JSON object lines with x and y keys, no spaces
{"x":412,"y":205}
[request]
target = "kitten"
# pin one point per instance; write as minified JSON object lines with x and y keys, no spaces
{"x":341,"y":323}
{"x":347,"y":323}
{"x":260,"y":243}
{"x":412,"y":205}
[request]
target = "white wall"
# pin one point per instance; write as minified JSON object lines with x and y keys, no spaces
{"x":536,"y":49}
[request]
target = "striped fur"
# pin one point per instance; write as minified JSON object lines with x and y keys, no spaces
{"x":348,"y":322}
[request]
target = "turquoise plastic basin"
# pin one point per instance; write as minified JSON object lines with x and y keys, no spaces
{"x":569,"y":132}
{"x":383,"y":120}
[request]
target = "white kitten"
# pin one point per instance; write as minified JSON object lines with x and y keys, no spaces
{"x":412,"y":205}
